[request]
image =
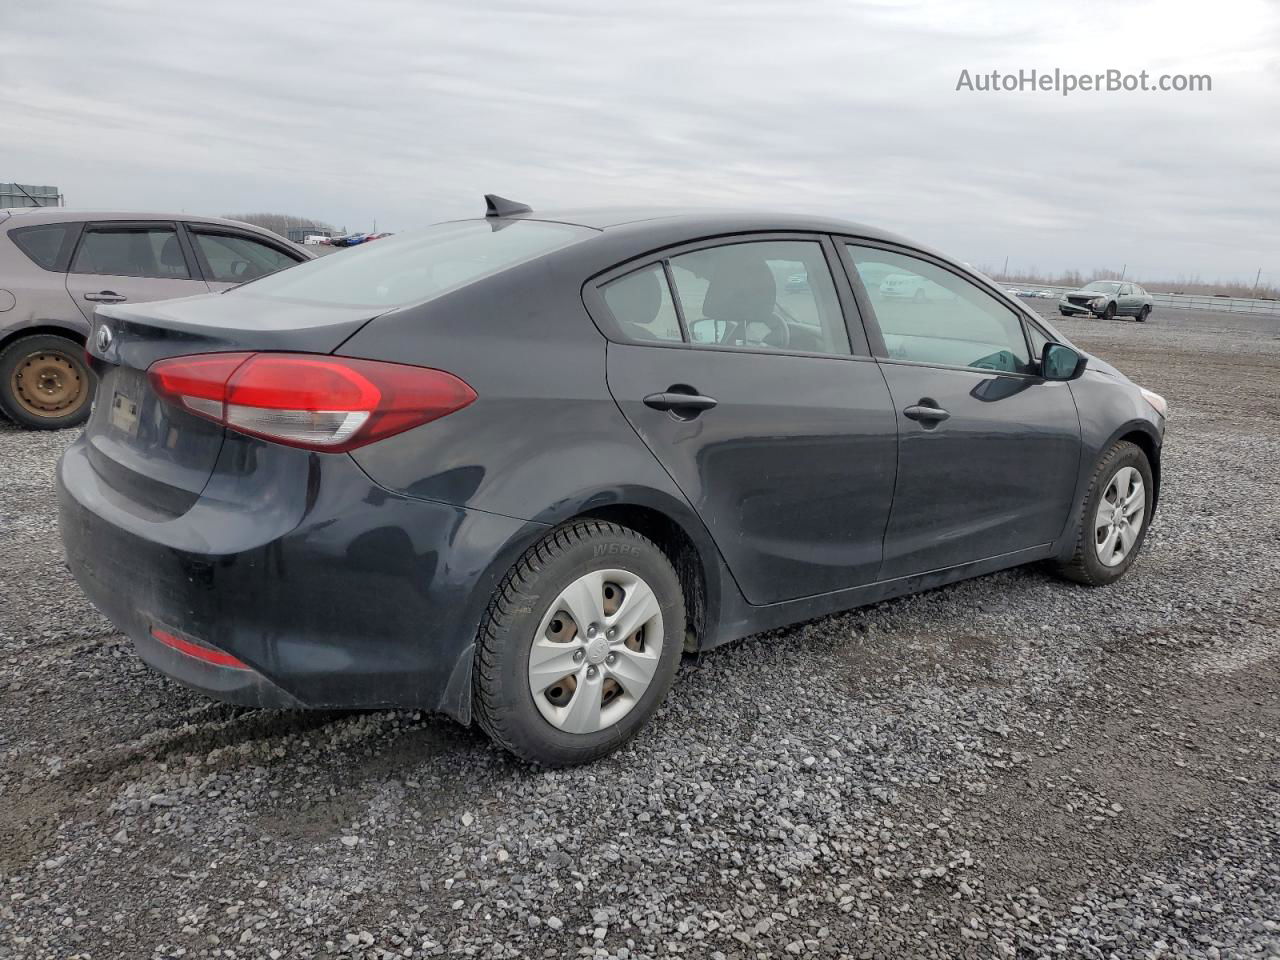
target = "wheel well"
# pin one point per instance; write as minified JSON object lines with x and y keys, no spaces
{"x":1148,"y":446}
{"x":37,"y":330}
{"x":672,"y":540}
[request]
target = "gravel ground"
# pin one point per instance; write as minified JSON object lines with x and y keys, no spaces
{"x":1009,"y":767}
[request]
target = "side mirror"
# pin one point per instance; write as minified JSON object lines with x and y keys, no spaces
{"x":1060,"y":362}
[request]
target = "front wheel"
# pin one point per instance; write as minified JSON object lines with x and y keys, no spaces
{"x":579,"y":645}
{"x":1109,"y":313}
{"x":44,"y":382}
{"x":1113,"y":523}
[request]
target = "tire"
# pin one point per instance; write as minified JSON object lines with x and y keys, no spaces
{"x":1063,"y":312}
{"x":1109,"y":311}
{"x":1143,"y":314}
{"x":1086,"y":564}
{"x":45,"y":383}
{"x":522,"y":617}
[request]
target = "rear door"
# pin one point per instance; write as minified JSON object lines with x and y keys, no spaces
{"x":1126,"y":302}
{"x":761,"y":403}
{"x":988,"y":451}
{"x":228,"y":257}
{"x":131,"y":262}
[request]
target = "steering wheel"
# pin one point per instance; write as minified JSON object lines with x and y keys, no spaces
{"x":732,"y":332}
{"x":779,"y":334}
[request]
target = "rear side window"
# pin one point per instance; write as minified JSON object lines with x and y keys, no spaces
{"x":931,"y":315}
{"x":754,"y":295}
{"x":236,"y":259}
{"x":768,"y":295}
{"x":48,"y":245}
{"x":150,"y":251}
{"x":641,"y":303}
{"x":415,"y":267}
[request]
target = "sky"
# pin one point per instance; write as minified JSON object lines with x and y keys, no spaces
{"x":407,"y":111}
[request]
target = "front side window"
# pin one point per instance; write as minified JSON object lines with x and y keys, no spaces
{"x":151,"y":252}
{"x":931,"y":315}
{"x":416,"y":267}
{"x":236,"y":259}
{"x":45,"y":244}
{"x":641,"y":303}
{"x":765,"y":295}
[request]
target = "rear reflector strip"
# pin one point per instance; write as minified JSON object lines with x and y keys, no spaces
{"x":198,"y":651}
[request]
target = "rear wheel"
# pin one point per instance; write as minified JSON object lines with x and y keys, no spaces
{"x":44,"y":382}
{"x":579,"y":645}
{"x":1113,"y":524}
{"x":1143,"y":314}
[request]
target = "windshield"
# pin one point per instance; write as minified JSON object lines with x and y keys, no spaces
{"x":1102,"y":286}
{"x":418,"y":266}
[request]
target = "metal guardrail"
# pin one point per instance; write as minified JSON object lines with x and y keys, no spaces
{"x":1183,"y":301}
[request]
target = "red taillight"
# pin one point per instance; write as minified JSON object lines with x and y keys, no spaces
{"x":198,"y":650}
{"x":309,"y":400}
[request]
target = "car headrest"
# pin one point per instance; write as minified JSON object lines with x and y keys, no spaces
{"x":741,"y":291}
{"x":171,"y":254}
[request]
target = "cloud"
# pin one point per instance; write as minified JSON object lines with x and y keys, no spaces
{"x":407,"y":112}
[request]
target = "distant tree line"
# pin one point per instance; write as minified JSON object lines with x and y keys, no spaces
{"x":1189,"y":285}
{"x":282,"y":223}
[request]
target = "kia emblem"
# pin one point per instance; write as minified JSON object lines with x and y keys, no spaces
{"x":104,"y":338}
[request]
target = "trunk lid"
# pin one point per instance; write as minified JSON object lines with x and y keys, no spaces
{"x":155,"y":457}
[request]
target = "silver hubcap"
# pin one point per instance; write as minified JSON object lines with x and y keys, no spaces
{"x":595,"y":651}
{"x":1119,"y":517}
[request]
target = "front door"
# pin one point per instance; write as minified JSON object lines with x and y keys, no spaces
{"x":988,"y":452}
{"x":133,"y":262}
{"x":1128,"y":302}
{"x":228,"y":257}
{"x":746,"y":389}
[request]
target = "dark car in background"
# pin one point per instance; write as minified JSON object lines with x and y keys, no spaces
{"x":57,"y":265}
{"x":510,"y":468}
{"x":1107,"y":299}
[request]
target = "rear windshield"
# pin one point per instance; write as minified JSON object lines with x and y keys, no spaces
{"x":413,"y":267}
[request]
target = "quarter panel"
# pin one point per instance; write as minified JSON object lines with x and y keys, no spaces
{"x":40,"y":297}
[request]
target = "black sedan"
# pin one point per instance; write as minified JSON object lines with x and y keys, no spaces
{"x":510,"y":468}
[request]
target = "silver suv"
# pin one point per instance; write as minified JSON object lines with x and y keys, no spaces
{"x":57,"y":265}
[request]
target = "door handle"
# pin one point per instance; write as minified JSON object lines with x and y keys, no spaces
{"x":687,"y":403}
{"x":106,"y":296}
{"x":926,"y":411}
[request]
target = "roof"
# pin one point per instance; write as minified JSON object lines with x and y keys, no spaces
{"x":697,"y":219}
{"x":622,"y":233}
{"x":63,"y":214}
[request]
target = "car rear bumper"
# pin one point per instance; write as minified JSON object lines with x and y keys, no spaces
{"x":329,"y":590}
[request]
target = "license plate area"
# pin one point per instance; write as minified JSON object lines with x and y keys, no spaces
{"x":124,"y":414}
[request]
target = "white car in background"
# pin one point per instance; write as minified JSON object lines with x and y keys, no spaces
{"x":904,"y":285}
